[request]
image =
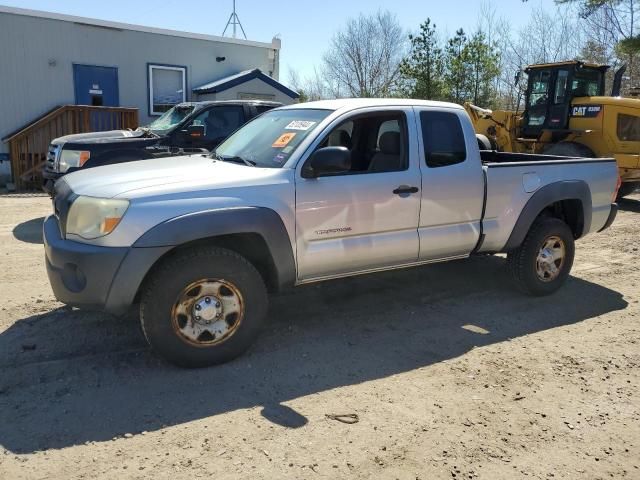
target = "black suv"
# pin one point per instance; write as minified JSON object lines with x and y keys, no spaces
{"x":189,"y":127}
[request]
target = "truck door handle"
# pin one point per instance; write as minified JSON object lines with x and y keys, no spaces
{"x":404,"y":189}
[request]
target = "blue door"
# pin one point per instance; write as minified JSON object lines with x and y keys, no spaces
{"x":97,"y":86}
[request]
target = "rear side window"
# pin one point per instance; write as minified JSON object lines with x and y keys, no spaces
{"x":443,"y":139}
{"x":263,"y":108}
{"x":628,"y":128}
{"x":219,"y":122}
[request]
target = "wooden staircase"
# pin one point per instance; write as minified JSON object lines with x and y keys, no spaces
{"x":28,"y":146}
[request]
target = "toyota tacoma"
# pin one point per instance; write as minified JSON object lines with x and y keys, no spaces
{"x":307,"y":193}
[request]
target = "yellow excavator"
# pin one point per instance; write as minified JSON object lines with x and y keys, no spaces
{"x":568,"y":113}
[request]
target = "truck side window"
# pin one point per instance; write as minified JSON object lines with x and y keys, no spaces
{"x":219,"y":122}
{"x":443,"y":139}
{"x":378,"y":142}
{"x":263,"y":108}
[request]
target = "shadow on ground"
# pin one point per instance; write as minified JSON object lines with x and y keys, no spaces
{"x":88,"y":377}
{"x":629,"y":205}
{"x":30,"y":231}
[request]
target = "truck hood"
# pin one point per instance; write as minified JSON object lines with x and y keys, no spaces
{"x":157,"y":177}
{"x":102,"y":137}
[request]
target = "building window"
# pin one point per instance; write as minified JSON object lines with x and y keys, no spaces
{"x":167,"y":87}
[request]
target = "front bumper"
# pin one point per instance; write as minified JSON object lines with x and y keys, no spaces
{"x":90,"y":276}
{"x":49,"y":179}
{"x":612,"y":216}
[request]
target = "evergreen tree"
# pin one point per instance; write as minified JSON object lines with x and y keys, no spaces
{"x":457,"y":67}
{"x":423,"y":70}
{"x":482,"y":67}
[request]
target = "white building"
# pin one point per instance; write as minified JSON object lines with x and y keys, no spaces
{"x":49,"y":59}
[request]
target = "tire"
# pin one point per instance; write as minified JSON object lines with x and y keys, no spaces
{"x":627,"y":189}
{"x":218,"y":284}
{"x":527,"y":261}
{"x":483,"y":142}
{"x":570,"y":149}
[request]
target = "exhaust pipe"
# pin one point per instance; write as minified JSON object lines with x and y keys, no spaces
{"x":617,"y":81}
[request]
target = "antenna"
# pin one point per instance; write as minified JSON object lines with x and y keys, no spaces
{"x":234,"y":20}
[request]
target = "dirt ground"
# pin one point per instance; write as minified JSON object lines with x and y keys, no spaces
{"x":452,"y":374}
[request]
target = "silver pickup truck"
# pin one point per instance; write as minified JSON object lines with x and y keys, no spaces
{"x":307,"y":193}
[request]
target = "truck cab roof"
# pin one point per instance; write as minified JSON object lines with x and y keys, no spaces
{"x":347,"y":104}
{"x":208,"y":103}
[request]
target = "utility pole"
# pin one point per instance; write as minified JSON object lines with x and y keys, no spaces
{"x":234,"y":20}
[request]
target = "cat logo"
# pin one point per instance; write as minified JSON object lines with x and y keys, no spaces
{"x":586,"y":111}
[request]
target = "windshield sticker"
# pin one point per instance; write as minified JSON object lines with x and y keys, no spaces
{"x":280,"y":158}
{"x":288,"y":149}
{"x":284,"y":139}
{"x":300,"y":125}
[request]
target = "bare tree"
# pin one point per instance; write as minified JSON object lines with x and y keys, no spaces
{"x":310,"y":88}
{"x":612,"y":33}
{"x":364,"y":57}
{"x":549,"y":36}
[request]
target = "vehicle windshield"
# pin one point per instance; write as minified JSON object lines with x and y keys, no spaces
{"x":170,"y":119}
{"x":270,"y":139}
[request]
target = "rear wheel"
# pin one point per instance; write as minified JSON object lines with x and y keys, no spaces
{"x":203,"y":307}
{"x":543,"y":262}
{"x":484,"y":143}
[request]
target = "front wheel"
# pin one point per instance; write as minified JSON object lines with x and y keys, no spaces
{"x":543,"y":262}
{"x":203,"y":307}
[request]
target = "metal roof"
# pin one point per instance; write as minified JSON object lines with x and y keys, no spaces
{"x":567,"y":63}
{"x":137,"y":28}
{"x":243,"y":77}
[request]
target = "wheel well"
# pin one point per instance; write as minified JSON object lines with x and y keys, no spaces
{"x":570,"y":212}
{"x":251,"y":246}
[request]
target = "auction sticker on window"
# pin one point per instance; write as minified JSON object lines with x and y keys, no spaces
{"x":300,"y":125}
{"x":283,"y":140}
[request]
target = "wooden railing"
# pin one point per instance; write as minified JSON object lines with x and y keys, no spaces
{"x":28,"y":147}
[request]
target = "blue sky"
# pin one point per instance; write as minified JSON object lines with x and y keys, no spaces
{"x":304,"y":26}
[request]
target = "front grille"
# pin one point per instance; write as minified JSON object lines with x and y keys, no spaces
{"x":52,"y":156}
{"x":62,"y":200}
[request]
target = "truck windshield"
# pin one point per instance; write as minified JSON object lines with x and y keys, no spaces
{"x":269,"y":140}
{"x":170,"y":119}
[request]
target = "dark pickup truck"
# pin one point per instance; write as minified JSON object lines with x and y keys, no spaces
{"x":186,"y":128}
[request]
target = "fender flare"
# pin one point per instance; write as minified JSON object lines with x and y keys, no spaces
{"x":227,"y":221}
{"x":548,"y":195}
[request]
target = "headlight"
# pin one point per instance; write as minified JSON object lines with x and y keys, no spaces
{"x":72,"y":158}
{"x":91,"y":217}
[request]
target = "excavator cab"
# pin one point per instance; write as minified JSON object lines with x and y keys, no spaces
{"x":550,"y":91}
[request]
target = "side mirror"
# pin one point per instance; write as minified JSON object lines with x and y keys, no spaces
{"x":327,"y":160}
{"x":195,"y":131}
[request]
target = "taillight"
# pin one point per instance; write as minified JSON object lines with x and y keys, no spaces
{"x":615,"y":191}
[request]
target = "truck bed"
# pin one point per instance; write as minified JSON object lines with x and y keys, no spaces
{"x":495,"y":158}
{"x":513,"y":178}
